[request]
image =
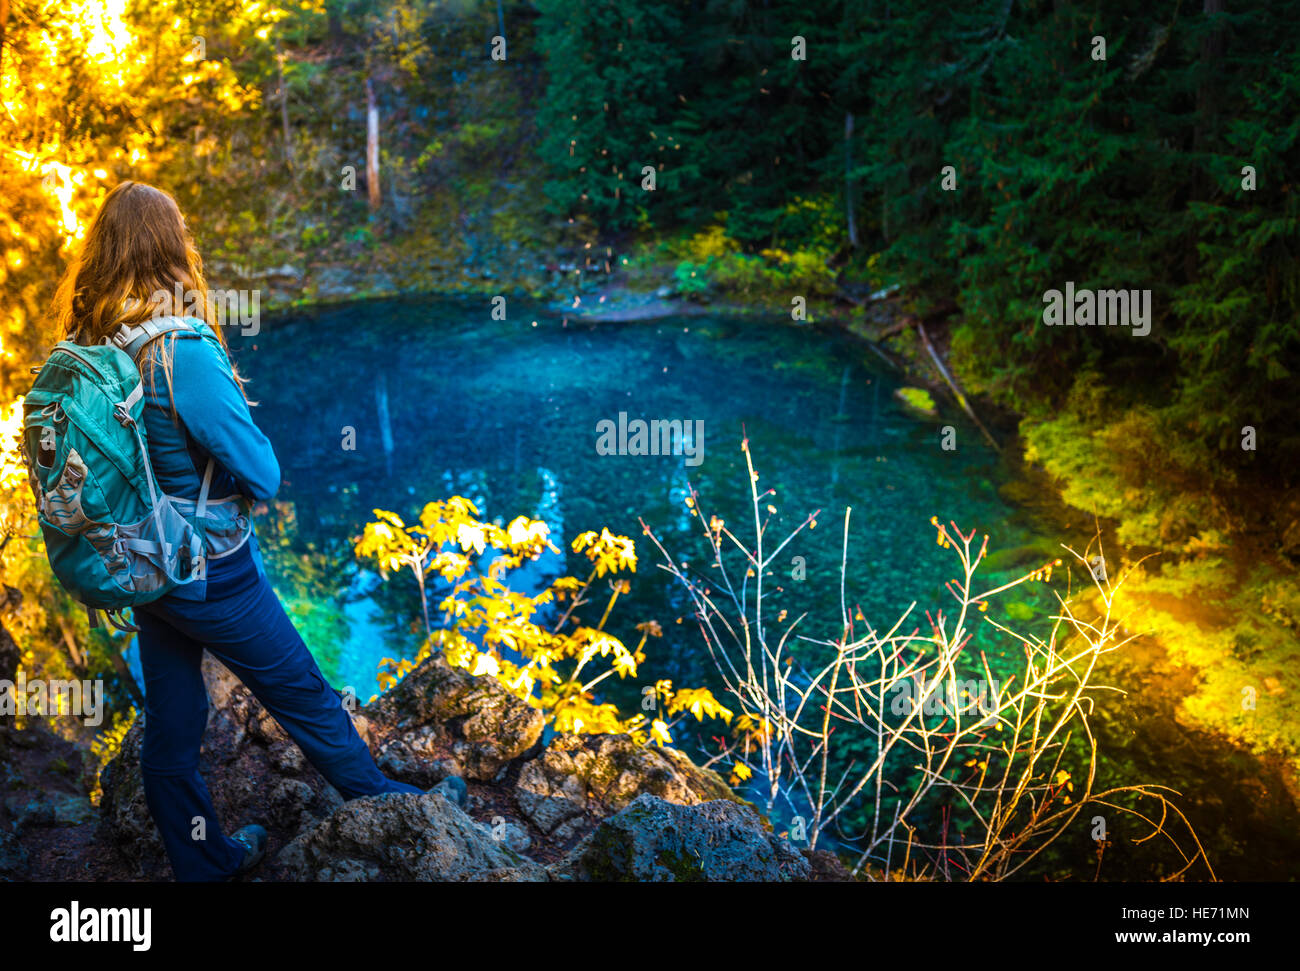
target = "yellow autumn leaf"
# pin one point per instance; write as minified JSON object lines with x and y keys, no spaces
{"x":471,"y":537}
{"x":485,"y":664}
{"x":659,"y":732}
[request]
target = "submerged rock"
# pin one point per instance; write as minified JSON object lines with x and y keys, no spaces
{"x":657,"y":841}
{"x":918,"y":400}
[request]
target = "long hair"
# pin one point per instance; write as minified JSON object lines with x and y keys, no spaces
{"x":136,"y":261}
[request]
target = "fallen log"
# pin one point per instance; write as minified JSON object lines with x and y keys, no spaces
{"x":957,"y":392}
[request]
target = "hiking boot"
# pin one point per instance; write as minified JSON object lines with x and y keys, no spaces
{"x":253,"y":839}
{"x":453,"y":789}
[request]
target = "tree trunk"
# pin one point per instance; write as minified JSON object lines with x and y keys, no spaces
{"x":1212,"y":49}
{"x":284,"y":108}
{"x":4,"y":19}
{"x":74,"y":652}
{"x":372,"y":148}
{"x":848,"y":179}
{"x":1207,"y":98}
{"x":334,"y":18}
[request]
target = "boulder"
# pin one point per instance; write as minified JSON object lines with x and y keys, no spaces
{"x":636,"y":813}
{"x":403,"y":837}
{"x":580,"y":779}
{"x":13,"y":857}
{"x":440,"y":720}
{"x":510,"y":833}
{"x":660,"y":842}
{"x":827,"y":867}
{"x":51,"y":809}
{"x":125,"y":822}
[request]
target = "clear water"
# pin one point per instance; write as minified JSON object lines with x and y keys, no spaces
{"x":506,"y":413}
{"x":444,"y":400}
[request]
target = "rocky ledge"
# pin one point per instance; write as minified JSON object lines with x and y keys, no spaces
{"x":591,"y":807}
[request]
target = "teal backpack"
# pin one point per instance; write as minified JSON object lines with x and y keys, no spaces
{"x":113,"y":538}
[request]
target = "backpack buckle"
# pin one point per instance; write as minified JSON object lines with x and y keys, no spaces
{"x":121,"y":414}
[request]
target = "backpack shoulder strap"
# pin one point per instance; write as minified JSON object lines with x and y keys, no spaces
{"x":132,"y":339}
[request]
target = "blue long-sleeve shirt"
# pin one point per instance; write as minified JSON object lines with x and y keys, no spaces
{"x":213,"y":419}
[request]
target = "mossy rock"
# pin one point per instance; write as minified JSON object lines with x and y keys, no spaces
{"x":1022,"y":557}
{"x":660,"y":842}
{"x":588,"y":777}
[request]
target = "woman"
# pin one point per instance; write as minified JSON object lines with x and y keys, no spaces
{"x":136,"y":261}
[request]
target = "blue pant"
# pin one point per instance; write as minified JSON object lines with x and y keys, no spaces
{"x":244,"y":626}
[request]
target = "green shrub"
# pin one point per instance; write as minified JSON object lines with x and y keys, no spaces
{"x":312,"y":237}
{"x":692,"y":279}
